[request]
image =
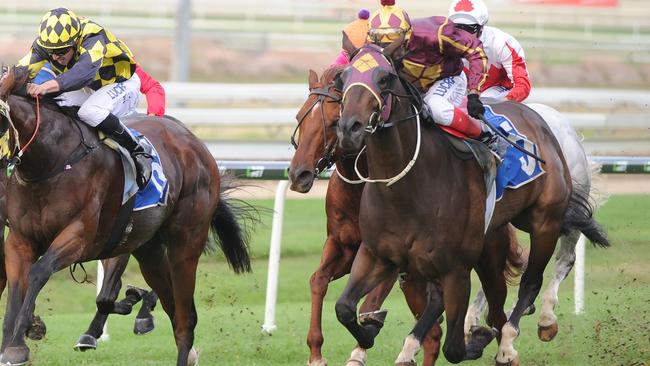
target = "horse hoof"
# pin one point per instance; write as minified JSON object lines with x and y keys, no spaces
{"x":479,"y":338}
{"x":320,"y":362}
{"x":37,"y":330}
{"x":355,"y":362}
{"x":375,"y":318}
{"x":143,"y":325}
{"x":193,"y":358}
{"x":86,"y":342}
{"x":410,"y":363}
{"x":514,"y":362}
{"x":14,"y":356}
{"x":136,"y":293}
{"x":547,"y":333}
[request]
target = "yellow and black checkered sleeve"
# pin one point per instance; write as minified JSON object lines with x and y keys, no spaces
{"x":34,"y":60}
{"x":84,"y":71}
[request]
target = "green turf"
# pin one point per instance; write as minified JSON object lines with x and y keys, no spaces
{"x":615,"y":329}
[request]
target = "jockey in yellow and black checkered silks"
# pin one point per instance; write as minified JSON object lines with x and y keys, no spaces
{"x":388,"y":24}
{"x":99,"y":58}
{"x":59,"y":29}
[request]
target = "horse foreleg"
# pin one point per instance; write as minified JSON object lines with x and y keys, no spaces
{"x":566,"y":256}
{"x":542,"y":246}
{"x":367,"y":272}
{"x":111,"y":285}
{"x":18,"y":258}
{"x":61,"y":253}
{"x":336,"y":261}
{"x":455,"y":288}
{"x":415,"y":293}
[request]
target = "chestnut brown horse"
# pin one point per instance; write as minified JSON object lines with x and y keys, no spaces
{"x":60,"y":216}
{"x":316,"y":150}
{"x":425,"y":209}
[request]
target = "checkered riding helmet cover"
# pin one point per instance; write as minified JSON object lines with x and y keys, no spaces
{"x":59,"y":28}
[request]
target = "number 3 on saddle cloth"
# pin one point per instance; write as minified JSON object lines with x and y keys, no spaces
{"x":156,"y":191}
{"x":517,"y":168}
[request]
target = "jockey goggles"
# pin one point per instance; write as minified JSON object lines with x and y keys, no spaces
{"x":380,"y":35}
{"x":58,"y":51}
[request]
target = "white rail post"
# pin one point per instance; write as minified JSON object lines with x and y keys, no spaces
{"x":100,"y":281}
{"x":579,"y":276}
{"x":274,"y":259}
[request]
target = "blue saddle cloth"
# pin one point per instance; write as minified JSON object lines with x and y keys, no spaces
{"x":156,"y":191}
{"x":517,"y":168}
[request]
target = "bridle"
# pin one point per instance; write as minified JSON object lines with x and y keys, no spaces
{"x":380,"y":117}
{"x":322,"y":94}
{"x":84,"y":148}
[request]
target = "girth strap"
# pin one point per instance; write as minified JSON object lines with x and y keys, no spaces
{"x":123,"y":217}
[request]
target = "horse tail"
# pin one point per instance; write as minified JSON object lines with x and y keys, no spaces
{"x":516,"y":259}
{"x":579,"y":216}
{"x":232,"y":224}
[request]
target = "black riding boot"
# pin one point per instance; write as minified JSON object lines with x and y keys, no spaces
{"x":495,"y":142}
{"x":112,"y":127}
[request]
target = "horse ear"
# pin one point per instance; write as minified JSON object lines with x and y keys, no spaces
{"x":347,"y":44}
{"x":393,"y":48}
{"x":313,"y":79}
{"x":339,"y":81}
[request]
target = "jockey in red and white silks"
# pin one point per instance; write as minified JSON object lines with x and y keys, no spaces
{"x":507,"y":74}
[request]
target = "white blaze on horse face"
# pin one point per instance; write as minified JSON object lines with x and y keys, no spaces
{"x":409,"y":351}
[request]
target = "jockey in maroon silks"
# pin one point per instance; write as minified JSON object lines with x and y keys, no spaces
{"x":434,"y":50}
{"x":507,"y":74}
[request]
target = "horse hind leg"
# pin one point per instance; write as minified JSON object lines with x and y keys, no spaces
{"x":111,"y":285}
{"x":541,"y":250}
{"x":547,"y":326}
{"x":144,"y":322}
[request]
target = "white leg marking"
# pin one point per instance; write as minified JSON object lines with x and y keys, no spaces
{"x":507,"y":351}
{"x":409,"y":351}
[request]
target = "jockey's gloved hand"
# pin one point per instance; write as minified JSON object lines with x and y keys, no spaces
{"x":474,"y":106}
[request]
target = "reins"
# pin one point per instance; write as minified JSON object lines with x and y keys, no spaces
{"x":390,"y":181}
{"x":83,"y":149}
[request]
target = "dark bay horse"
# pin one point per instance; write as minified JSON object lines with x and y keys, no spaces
{"x":429,"y":221}
{"x":106,"y":304}
{"x":67,"y":218}
{"x":316,"y":150}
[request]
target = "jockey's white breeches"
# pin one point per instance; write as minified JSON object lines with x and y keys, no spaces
{"x":496,"y":92}
{"x":444,"y":95}
{"x":120,"y":99}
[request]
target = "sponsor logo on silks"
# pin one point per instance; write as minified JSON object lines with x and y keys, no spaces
{"x":255,"y":171}
{"x":517,"y":168}
{"x":116,"y":90}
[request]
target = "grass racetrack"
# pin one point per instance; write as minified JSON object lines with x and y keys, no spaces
{"x":615,"y":329}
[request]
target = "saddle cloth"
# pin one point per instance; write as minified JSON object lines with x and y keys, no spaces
{"x":517,"y":169}
{"x":157,"y":190}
